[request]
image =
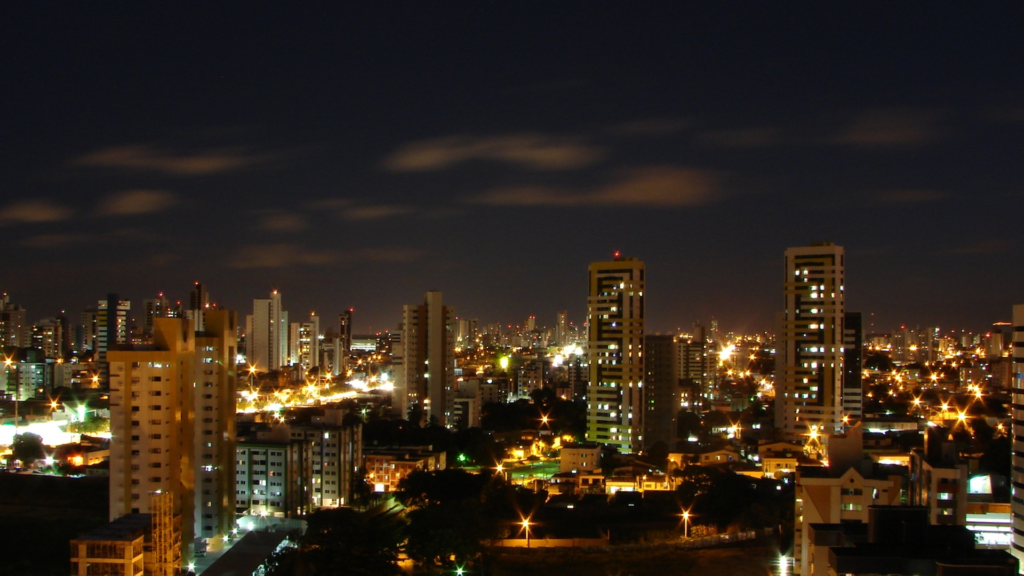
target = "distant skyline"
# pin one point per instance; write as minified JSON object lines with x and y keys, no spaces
{"x":358,"y":156}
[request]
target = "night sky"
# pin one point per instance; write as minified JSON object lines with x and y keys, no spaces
{"x":357,"y":157}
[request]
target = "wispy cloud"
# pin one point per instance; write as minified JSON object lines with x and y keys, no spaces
{"x":279,"y":256}
{"x":891,"y":127}
{"x":375,"y":212}
{"x":52,"y":240}
{"x":990,"y":246}
{"x":275,"y":221}
{"x":131,"y":202}
{"x":151,"y":158}
{"x":350,"y":210}
{"x":289,"y":255}
{"x":649,"y":127}
{"x":742,"y":138}
{"x":662,"y":186}
{"x":533,"y":151}
{"x":33,"y":212}
{"x":382,"y":255}
{"x":61,"y":239}
{"x":911,"y":196}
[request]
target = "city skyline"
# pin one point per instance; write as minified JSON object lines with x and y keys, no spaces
{"x":360,"y":157}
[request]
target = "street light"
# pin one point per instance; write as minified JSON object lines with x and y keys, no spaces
{"x":526,"y":526}
{"x":17,"y":390}
{"x":686,"y":523}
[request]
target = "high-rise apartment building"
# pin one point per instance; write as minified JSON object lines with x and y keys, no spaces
{"x":1017,"y":466}
{"x":304,"y":343}
{"x":694,"y":373}
{"x":85,"y":337}
{"x":152,"y":424}
{"x":344,"y":340}
{"x":427,"y":380}
{"x":198,"y":304}
{"x":153,"y":308}
{"x":48,"y":336}
{"x":112,"y":329}
{"x":216,"y":382}
{"x":14,"y":327}
{"x":562,"y":329}
{"x":809,"y":353}
{"x":172,"y":406}
{"x":266,"y":334}
{"x":853,"y":352}
{"x":661,"y":390}
{"x":615,"y":347}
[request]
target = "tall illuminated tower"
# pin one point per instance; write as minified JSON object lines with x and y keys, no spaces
{"x":112,"y":329}
{"x":1017,"y":466}
{"x":172,"y":424}
{"x":562,"y":329}
{"x":809,"y":352}
{"x":427,"y":382}
{"x":615,"y":346}
{"x":267,"y":334}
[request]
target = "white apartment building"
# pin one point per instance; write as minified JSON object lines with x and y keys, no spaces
{"x":172,"y":406}
{"x":809,"y":354}
{"x":615,"y":347}
{"x":427,"y":352}
{"x":1017,"y":410}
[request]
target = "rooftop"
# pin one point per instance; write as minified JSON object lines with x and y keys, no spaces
{"x":126,"y":528}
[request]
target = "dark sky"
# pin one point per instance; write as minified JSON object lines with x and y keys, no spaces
{"x":357,"y":157}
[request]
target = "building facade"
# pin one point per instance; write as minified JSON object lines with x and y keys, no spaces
{"x":266,"y":334}
{"x":427,"y":382}
{"x":152,"y":425}
{"x":809,"y":351}
{"x":615,"y":347}
{"x":304,"y":343}
{"x":112,"y":329}
{"x":216,"y":384}
{"x":1017,"y":412}
{"x":661,"y":390}
{"x":172,"y":423}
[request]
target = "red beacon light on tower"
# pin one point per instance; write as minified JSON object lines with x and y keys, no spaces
{"x":616,"y":253}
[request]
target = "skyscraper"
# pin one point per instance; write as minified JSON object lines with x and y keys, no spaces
{"x":853,"y":352}
{"x":304,"y":343}
{"x":198,"y":304}
{"x":159,"y":307}
{"x":562,"y":329}
{"x":615,"y":346}
{"x":1017,"y":465}
{"x":266,"y":334}
{"x":216,"y":382}
{"x":111,"y":330}
{"x":152,"y":419}
{"x":661,"y":389}
{"x":428,"y":351}
{"x":14,"y":328}
{"x":694,"y":372}
{"x":809,"y":354}
{"x":172,"y":422}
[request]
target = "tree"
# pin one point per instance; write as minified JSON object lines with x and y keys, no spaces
{"x":360,"y":487}
{"x":688,"y":424}
{"x":658,"y":455}
{"x":421,"y":488}
{"x":446,"y":534}
{"x":27,"y":448}
{"x":343,"y":542}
